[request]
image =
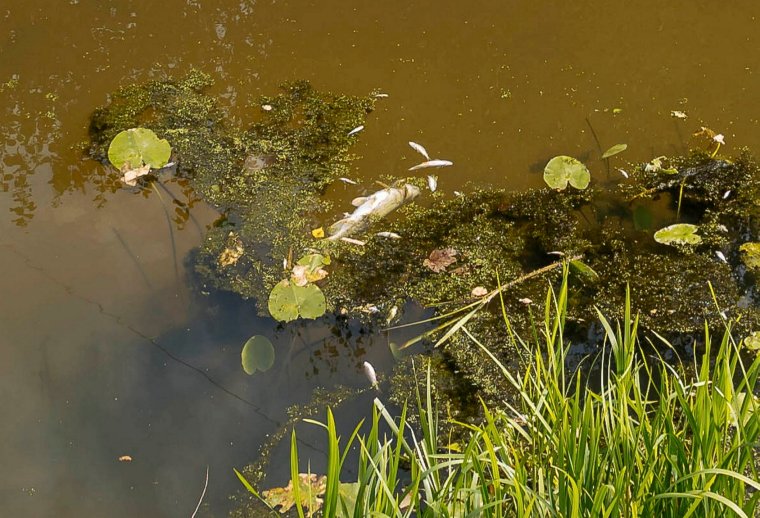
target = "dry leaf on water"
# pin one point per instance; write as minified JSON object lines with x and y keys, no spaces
{"x":233,"y":252}
{"x":304,"y":274}
{"x":479,"y":291}
{"x":440,"y":259}
{"x":131,"y":175}
{"x":310,"y":486}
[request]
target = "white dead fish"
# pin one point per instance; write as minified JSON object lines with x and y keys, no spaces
{"x":391,"y":315}
{"x":381,"y":96}
{"x":622,"y":171}
{"x":720,"y":139}
{"x":526,"y":301}
{"x":347,"y":180}
{"x":726,"y":194}
{"x":369,"y":371}
{"x":355,"y":130}
{"x":373,"y":207}
{"x":458,"y":193}
{"x":432,"y":182}
{"x":267,"y":107}
{"x":432,"y":163}
{"x":721,"y":256}
{"x":391,"y":235}
{"x":419,"y":149}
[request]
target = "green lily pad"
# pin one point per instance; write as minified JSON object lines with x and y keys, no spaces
{"x":137,"y":146}
{"x":614,"y":150}
{"x":678,"y":234}
{"x":751,"y":255}
{"x":287,"y":301}
{"x":752,"y":342}
{"x":562,"y":170}
{"x":257,"y":354}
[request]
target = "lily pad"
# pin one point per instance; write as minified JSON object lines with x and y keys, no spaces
{"x":257,"y":355}
{"x":287,"y":301}
{"x":751,"y":255}
{"x":137,"y":147}
{"x":678,"y":234}
{"x":752,"y":342}
{"x":562,"y":170}
{"x":614,"y":150}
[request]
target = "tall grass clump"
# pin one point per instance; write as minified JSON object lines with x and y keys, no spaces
{"x":649,"y":440}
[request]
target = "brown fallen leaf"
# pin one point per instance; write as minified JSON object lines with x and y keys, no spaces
{"x":303,"y":274}
{"x":310,"y":486}
{"x":440,"y":259}
{"x":132,"y":174}
{"x":479,"y":291}
{"x":233,"y":252}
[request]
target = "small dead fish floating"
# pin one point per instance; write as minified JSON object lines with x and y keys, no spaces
{"x":622,"y":171}
{"x":432,"y":163}
{"x":726,"y":194}
{"x":391,"y":235}
{"x":369,"y":371}
{"x":419,"y":149}
{"x":721,"y":256}
{"x":381,"y":96}
{"x":355,"y":130}
{"x":348,"y":181}
{"x":432,"y":181}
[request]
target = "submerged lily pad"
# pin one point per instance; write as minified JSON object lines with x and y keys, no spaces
{"x":257,"y":355}
{"x":678,"y":234}
{"x":751,"y":255}
{"x":287,"y":301}
{"x":137,"y":146}
{"x":614,"y":150}
{"x":562,"y":170}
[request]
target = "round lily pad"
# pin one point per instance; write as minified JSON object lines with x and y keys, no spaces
{"x":678,"y":234}
{"x":138,"y":146}
{"x":562,"y":170}
{"x":287,"y":301}
{"x":257,"y":354}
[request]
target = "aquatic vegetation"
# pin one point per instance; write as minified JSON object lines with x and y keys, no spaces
{"x":645,"y":437}
{"x":750,"y":253}
{"x":562,"y":170}
{"x":678,"y":234}
{"x":288,"y":301}
{"x":614,"y":150}
{"x":257,"y":355}
{"x":136,"y":151}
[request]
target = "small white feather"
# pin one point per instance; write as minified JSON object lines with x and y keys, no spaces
{"x":432,"y":163}
{"x":419,"y":149}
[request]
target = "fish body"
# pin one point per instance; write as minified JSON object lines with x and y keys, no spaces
{"x":420,"y":149}
{"x":355,"y":130}
{"x":432,"y":163}
{"x":369,"y":371}
{"x":375,"y":206}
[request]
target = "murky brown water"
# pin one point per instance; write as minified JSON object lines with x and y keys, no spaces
{"x":97,"y":324}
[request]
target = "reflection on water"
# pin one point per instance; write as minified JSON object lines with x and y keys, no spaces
{"x":105,"y":351}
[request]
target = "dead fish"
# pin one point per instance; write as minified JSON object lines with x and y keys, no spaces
{"x":372,"y":207}
{"x":432,"y":163}
{"x":419,"y":149}
{"x":391,"y":235}
{"x":432,"y":182}
{"x":458,"y":193}
{"x":347,"y":180}
{"x":526,"y":301}
{"x":391,"y":315}
{"x":723,"y":228}
{"x":266,"y":107}
{"x":623,"y":173}
{"x":726,"y":194}
{"x":355,"y":130}
{"x":381,"y":95}
{"x":369,"y":371}
{"x":721,"y":256}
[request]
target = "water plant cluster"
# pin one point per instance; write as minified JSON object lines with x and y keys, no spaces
{"x":642,"y":437}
